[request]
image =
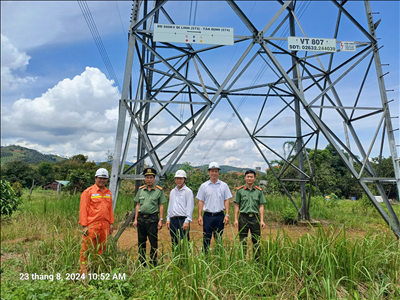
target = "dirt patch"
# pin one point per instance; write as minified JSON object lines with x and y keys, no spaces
{"x":32,"y":238}
{"x":23,"y":240}
{"x":10,"y":255}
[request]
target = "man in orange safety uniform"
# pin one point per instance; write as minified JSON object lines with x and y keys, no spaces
{"x":96,"y":216}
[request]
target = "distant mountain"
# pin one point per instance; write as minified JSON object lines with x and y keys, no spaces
{"x":31,"y":156}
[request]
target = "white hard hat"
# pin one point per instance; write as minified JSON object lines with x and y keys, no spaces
{"x":214,"y":165}
{"x":101,"y":173}
{"x":180,"y":173}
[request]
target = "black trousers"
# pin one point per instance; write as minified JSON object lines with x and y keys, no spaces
{"x":176,"y":231}
{"x":250,"y":223}
{"x":148,"y":228}
{"x":212,"y":225}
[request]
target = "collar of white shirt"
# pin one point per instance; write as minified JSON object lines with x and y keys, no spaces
{"x":210,"y":182}
{"x":182,"y":188}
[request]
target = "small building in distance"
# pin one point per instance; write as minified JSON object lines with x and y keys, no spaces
{"x":55,"y":185}
{"x":263,"y":183}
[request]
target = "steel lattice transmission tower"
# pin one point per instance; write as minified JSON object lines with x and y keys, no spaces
{"x":316,"y":91}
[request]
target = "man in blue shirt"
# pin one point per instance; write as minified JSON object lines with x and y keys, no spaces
{"x":213,"y":196}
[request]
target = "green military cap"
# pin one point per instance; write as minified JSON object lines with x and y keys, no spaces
{"x":149,"y":171}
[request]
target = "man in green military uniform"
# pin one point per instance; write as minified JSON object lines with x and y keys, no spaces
{"x":249,"y":201}
{"x":150,"y":201}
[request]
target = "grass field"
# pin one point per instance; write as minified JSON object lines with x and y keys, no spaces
{"x":327,"y":262}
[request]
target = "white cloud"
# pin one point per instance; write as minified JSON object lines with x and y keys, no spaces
{"x":72,"y":117}
{"x":112,"y":114}
{"x":230,"y":145}
{"x":13,"y":62}
{"x":232,"y":160}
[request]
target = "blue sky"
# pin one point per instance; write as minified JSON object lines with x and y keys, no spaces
{"x":57,"y":97}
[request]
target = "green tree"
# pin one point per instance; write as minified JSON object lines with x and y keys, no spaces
{"x":80,"y":158}
{"x":90,"y":166}
{"x":321,"y":156}
{"x":336,"y":162}
{"x":325,"y":179}
{"x":76,"y":162}
{"x":186,"y":167}
{"x":79,"y":180}
{"x":386,"y":170}
{"x":22,"y":172}
{"x":46,"y":171}
{"x":197,"y":177}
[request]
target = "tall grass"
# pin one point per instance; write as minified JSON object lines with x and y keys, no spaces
{"x":339,"y":212}
{"x":326,"y":265}
{"x":42,"y":212}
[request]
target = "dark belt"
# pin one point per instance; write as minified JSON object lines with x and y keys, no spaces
{"x":250,"y":215}
{"x":147,"y":215}
{"x":178,"y":218}
{"x":214,"y":214}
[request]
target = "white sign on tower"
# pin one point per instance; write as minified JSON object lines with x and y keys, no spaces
{"x":311,"y":44}
{"x":348,"y":46}
{"x":193,"y":34}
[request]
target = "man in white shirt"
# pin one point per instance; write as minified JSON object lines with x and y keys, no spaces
{"x":180,"y":209}
{"x":213,"y":196}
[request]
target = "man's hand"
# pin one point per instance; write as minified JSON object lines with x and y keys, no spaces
{"x":167,"y":224}
{"x":159,"y":225}
{"x":262,"y":224}
{"x":226,"y":220}
{"x":236,"y":224}
{"x":200,"y":221}
{"x":185,"y":226}
{"x":135,"y":223}
{"x":111,"y":228}
{"x":85,"y":230}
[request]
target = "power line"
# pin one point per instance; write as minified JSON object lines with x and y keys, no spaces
{"x":99,"y":43}
{"x":122,"y":25}
{"x":125,"y":34}
{"x":194,"y":13}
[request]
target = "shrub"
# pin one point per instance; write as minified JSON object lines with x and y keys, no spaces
{"x":17,"y":187}
{"x":332,"y":201}
{"x":289,"y":214}
{"x":365,"y":203}
{"x":333,"y":197}
{"x":9,"y":200}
